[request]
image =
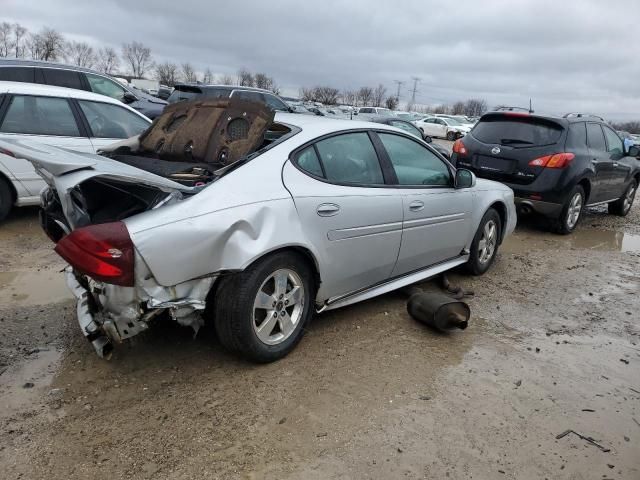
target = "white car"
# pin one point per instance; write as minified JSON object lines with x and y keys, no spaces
{"x":442,"y":127}
{"x":62,"y":117}
{"x":379,"y":111}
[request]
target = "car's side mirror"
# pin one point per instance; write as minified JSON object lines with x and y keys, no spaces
{"x":129,"y":97}
{"x":428,"y":139}
{"x":465,"y":178}
{"x":634,"y":152}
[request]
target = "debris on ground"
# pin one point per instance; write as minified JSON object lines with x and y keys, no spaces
{"x":583,"y":437}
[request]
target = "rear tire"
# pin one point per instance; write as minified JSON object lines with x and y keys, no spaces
{"x":486,"y":242}
{"x":257,"y":314}
{"x":6,"y":199}
{"x":622,"y":206}
{"x":451,"y":136}
{"x":571,"y":211}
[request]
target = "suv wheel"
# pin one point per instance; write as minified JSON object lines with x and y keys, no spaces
{"x":6,"y":199}
{"x":622,"y":206}
{"x":261,"y":313}
{"x":451,"y":136}
{"x":485,"y":243}
{"x":571,"y":212}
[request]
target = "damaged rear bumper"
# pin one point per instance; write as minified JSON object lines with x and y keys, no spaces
{"x":109,"y":314}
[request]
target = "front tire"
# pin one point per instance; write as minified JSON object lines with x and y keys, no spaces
{"x":622,"y":206}
{"x":6,"y":199}
{"x":451,"y":136}
{"x":486,"y":242}
{"x":571,"y":211}
{"x":261,"y":313}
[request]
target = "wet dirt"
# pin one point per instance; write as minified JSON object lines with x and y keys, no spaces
{"x":553,"y":344}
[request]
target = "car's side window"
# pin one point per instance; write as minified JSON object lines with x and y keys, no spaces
{"x":614,"y":143}
{"x":62,"y":78}
{"x":275,"y":103}
{"x":112,"y":121}
{"x":247,"y":95}
{"x":17,"y":74}
{"x":105,"y":86}
{"x":350,"y":158}
{"x":577,"y":137}
{"x":40,"y":116}
{"x":308,"y":160}
{"x":413,"y":163}
{"x":595,"y":138}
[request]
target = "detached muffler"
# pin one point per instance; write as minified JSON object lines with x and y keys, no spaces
{"x":438,"y":310}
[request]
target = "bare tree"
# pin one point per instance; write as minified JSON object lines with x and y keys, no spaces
{"x":226,"y":80}
{"x":348,"y":97}
{"x":18,"y":40}
{"x":6,"y":43}
{"x":245,"y":78}
{"x":378,"y":95}
{"x":80,"y":54}
{"x":365,"y":95}
{"x":188,"y":73}
{"x":208,"y":76}
{"x":327,"y":95}
{"x":107,"y":60}
{"x":475,"y":107}
{"x":441,"y":109}
{"x":261,"y":80}
{"x":458,"y":108}
{"x":167,"y":73}
{"x":631,"y":127}
{"x":46,"y":45}
{"x":138,"y":57}
{"x":307,"y":94}
{"x":392,"y":102}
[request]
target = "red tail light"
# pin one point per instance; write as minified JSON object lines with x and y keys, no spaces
{"x":459,"y":148}
{"x":103,"y":252}
{"x":557,"y":160}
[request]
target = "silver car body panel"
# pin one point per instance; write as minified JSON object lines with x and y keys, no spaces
{"x":364,"y":241}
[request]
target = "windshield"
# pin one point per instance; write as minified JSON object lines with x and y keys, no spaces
{"x":188,"y":93}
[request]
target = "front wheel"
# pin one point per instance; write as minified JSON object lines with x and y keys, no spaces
{"x":485,"y":243}
{"x":622,"y":206}
{"x":451,"y":136}
{"x":261,"y":313}
{"x":571,"y":211}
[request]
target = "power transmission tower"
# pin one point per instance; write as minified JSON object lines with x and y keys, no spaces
{"x":414,"y":90}
{"x":399,"y":83}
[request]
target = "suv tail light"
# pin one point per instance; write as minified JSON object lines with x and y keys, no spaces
{"x":459,"y":148}
{"x":103,"y":252}
{"x":557,"y":160}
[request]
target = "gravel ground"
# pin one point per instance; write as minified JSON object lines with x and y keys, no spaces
{"x":369,"y":393}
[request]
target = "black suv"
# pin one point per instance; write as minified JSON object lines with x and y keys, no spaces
{"x":191,"y":91}
{"x":70,"y":76}
{"x":555,"y":166}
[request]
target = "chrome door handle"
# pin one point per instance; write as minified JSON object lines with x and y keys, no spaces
{"x":328,"y":209}
{"x":615,"y":164}
{"x":416,"y":205}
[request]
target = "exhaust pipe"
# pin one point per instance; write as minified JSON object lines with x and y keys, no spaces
{"x":439,"y":311}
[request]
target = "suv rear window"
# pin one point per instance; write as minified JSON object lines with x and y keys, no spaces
{"x":184,"y":93}
{"x":518,"y":132}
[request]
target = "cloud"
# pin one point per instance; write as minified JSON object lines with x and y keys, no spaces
{"x":566,"y":56}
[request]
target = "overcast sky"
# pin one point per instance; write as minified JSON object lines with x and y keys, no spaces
{"x":567,"y":55}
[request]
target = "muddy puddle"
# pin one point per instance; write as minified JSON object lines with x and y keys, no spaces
{"x":33,"y":288}
{"x":524,"y":240}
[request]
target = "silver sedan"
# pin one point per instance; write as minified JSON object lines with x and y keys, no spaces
{"x":327,"y":213}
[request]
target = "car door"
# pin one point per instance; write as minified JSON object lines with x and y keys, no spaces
{"x":602,"y":164}
{"x":109,"y":123}
{"x":352,"y":220}
{"x":49,"y":120}
{"x":430,"y":127}
{"x":621,"y":167}
{"x":436,"y":216}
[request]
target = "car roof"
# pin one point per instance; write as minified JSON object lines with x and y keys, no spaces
{"x":221,"y":87}
{"x":17,"y":62}
{"x":24,"y":88}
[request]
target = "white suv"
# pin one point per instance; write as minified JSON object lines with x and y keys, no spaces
{"x":62,"y":117}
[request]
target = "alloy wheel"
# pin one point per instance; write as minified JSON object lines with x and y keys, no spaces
{"x":628,"y":198}
{"x":278,"y":306}
{"x":573,"y":213}
{"x":488,"y":242}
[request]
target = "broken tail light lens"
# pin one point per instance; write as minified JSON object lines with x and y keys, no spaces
{"x":103,"y":252}
{"x":557,"y":160}
{"x":459,"y":148}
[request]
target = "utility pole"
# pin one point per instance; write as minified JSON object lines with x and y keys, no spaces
{"x":399,"y":83}
{"x":415,"y":89}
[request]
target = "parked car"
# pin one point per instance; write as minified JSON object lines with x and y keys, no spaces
{"x":409,"y":116}
{"x":556,"y":166}
{"x":370,"y":111}
{"x":188,"y":91}
{"x":272,"y":239}
{"x":413,"y":130}
{"x":442,"y":127}
{"x":70,"y":76}
{"x":164,"y":92}
{"x":62,"y":117}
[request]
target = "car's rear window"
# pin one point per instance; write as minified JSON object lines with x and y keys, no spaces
{"x":518,"y":132}
{"x":184,"y":93}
